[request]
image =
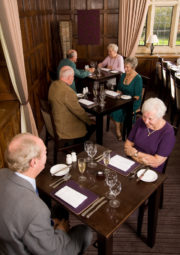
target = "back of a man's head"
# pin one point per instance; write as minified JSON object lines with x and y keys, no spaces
{"x":21,"y":150}
{"x":65,"y":73}
{"x":72,"y":54}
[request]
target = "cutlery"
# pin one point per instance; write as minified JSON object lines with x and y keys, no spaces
{"x":92,"y":206}
{"x":62,"y":169}
{"x":140,"y":177}
{"x":101,"y":155}
{"x":53,"y":183}
{"x":66,"y":178}
{"x":133,"y":174}
{"x":97,"y":208}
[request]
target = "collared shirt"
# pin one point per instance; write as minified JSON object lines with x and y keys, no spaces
{"x":27,"y":178}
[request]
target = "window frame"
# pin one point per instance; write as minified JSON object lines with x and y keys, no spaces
{"x":172,"y":47}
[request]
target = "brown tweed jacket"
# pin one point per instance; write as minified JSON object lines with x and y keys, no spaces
{"x":70,"y":118}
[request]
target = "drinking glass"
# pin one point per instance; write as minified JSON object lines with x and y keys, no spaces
{"x":82,"y":168}
{"x":102,"y":97}
{"x":92,"y":152}
{"x":111,"y":179}
{"x":87,"y":145}
{"x":106,"y":159}
{"x":95,"y":93}
{"x":115,"y":190}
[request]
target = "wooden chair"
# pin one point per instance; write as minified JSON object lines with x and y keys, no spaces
{"x":59,"y":144}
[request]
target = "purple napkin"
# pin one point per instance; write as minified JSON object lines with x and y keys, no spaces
{"x":91,"y":197}
{"x":118,"y":169}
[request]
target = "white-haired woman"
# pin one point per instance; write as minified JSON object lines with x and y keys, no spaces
{"x":114,"y":61}
{"x":151,"y":139}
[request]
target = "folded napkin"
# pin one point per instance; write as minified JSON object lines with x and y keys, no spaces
{"x":86,"y":102}
{"x":105,"y":69}
{"x":112,"y":93}
{"x":71,"y":196}
{"x":121,"y":163}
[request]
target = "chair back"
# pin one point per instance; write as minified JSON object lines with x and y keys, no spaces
{"x":45,"y":109}
{"x":177,"y":87}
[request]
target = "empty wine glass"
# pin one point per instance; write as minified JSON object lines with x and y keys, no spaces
{"x":92,"y":152}
{"x":106,"y":159}
{"x":115,"y":190}
{"x":95,"y":90}
{"x":111,"y":179}
{"x":82,"y":168}
{"x":87,"y":145}
{"x":102,"y":97}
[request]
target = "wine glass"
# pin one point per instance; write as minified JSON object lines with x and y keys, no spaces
{"x":92,"y":152}
{"x":111,"y":179}
{"x":106,"y":159}
{"x":82,"y":168}
{"x":87,"y":145}
{"x":115,"y":190}
{"x":95,"y":90}
{"x":102,"y":97}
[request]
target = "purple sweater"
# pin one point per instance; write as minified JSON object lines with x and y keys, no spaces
{"x":161,"y":142}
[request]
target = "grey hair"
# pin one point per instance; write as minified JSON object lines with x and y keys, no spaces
{"x":132,"y":61}
{"x":155,"y":105}
{"x":113,"y":46}
{"x":65,"y":72}
{"x":19,"y":158}
{"x":71,"y":53}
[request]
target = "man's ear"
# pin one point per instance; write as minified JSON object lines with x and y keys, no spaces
{"x":32,"y":162}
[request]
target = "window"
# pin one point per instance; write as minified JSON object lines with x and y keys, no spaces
{"x":162,"y":24}
{"x":163,"y":19}
{"x":143,"y":35}
{"x":178,"y":33}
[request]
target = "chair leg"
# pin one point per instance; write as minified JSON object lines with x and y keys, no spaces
{"x":107,"y":123}
{"x":140,"y":218}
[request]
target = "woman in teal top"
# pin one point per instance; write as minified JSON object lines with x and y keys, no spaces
{"x":129,"y":84}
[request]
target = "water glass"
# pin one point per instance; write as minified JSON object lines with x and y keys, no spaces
{"x":115,"y":190}
{"x":106,"y":159}
{"x":92,"y":152}
{"x":87,"y":145}
{"x":111,"y":179}
{"x":82,"y":168}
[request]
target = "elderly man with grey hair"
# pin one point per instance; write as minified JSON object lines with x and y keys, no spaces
{"x":71,"y":61}
{"x":71,"y":120}
{"x":25,"y":220}
{"x":152,"y":138}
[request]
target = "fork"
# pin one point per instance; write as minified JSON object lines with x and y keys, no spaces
{"x":65,"y":178}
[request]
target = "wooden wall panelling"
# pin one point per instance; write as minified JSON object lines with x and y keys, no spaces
{"x":36,"y":18}
{"x":9,"y":125}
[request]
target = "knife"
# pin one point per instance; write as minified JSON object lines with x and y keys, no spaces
{"x":92,"y":206}
{"x":140,"y":177}
{"x":97,"y":208}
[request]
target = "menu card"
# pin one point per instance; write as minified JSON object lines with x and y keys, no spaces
{"x":122,"y":165}
{"x":112,"y":93}
{"x":73,"y":196}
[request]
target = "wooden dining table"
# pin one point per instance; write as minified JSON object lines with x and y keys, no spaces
{"x":106,"y":220}
{"x":111,"y":105}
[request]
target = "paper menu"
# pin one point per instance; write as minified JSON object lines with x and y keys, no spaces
{"x":71,"y":196}
{"x":86,"y":102}
{"x":121,"y":163}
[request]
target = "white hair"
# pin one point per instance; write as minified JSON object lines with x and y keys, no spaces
{"x":132,"y":61}
{"x":155,"y":105}
{"x":65,"y":72}
{"x":112,"y":46}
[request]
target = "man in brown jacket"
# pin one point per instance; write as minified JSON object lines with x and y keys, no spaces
{"x":70,"y":118}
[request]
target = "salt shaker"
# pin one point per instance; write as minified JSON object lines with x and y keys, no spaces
{"x":73,"y":156}
{"x":68,"y":159}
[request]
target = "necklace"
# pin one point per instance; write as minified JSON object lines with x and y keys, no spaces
{"x":127,"y":79}
{"x":150,"y":132}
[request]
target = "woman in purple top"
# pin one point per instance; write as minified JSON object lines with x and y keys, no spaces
{"x":151,"y":139}
{"x":114,"y":61}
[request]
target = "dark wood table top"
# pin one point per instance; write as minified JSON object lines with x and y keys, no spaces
{"x":112,"y":104}
{"x":106,"y":220}
{"x":104,"y":76}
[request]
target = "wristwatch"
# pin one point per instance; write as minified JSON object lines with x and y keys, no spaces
{"x":136,"y":153}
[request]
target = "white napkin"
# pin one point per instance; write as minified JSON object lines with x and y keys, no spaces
{"x":86,"y":102}
{"x":105,"y":69}
{"x":112,"y":93}
{"x":71,"y":196}
{"x":120,"y":162}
